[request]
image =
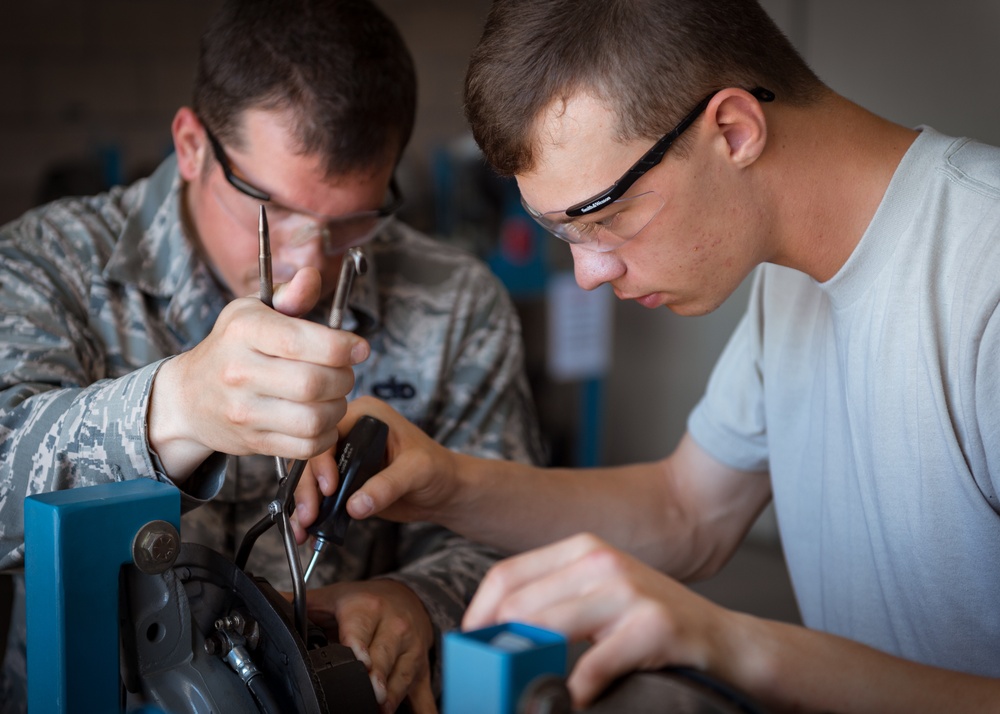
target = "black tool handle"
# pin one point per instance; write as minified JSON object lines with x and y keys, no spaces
{"x":359,"y":457}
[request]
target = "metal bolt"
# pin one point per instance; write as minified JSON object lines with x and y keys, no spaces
{"x":232,"y":622}
{"x":155,"y":547}
{"x":546,"y":694}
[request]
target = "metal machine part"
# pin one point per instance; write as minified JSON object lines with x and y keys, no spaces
{"x":354,"y":264}
{"x":155,"y":547}
{"x":546,"y":695}
{"x":672,"y":691}
{"x":666,"y":692}
{"x":206,"y":637}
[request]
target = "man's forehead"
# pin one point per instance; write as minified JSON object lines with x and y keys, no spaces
{"x":271,"y":137}
{"x":576,"y":153}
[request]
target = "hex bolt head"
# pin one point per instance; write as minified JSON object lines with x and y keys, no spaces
{"x":155,"y":547}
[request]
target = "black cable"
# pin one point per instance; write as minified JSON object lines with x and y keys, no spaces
{"x":731,"y":695}
{"x":262,"y":694}
{"x":255,"y":532}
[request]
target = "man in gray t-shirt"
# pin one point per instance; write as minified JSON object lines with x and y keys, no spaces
{"x":679,"y":146}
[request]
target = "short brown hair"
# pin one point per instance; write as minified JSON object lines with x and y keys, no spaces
{"x":340,"y":66}
{"x":650,"y":61}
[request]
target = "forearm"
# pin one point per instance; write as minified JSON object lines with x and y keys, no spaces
{"x":67,"y":438}
{"x":515,"y":507}
{"x":683,"y":515}
{"x":793,"y":669}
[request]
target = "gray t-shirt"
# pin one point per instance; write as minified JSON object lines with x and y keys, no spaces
{"x":874,"y":401}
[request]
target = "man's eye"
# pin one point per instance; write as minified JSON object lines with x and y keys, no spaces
{"x":609,"y":221}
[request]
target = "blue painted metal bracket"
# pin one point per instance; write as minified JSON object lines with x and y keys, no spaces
{"x":76,"y":542}
{"x":488,"y":671}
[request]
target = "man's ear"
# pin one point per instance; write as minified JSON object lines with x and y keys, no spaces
{"x":190,"y":143}
{"x":741,"y":122}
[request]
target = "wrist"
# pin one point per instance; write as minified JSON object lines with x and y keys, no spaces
{"x":741,"y":653}
{"x":179,"y":454}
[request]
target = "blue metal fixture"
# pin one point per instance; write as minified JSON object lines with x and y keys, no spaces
{"x":76,"y":542}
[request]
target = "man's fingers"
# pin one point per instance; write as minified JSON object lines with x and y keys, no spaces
{"x":599,"y":665}
{"x":385,"y":650}
{"x":406,"y":675}
{"x":319,"y":479}
{"x":307,"y":497}
{"x":379,"y":492}
{"x":513,"y":574}
{"x":422,"y":696}
{"x":300,"y":294}
{"x":357,"y":633}
{"x":368,"y":406}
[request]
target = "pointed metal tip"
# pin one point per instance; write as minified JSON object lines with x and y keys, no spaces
{"x":263,"y":235}
{"x":262,"y":219}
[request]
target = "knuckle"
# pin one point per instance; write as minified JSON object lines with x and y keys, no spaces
{"x":652,"y":617}
{"x":605,"y":559}
{"x":237,"y":413}
{"x":499,"y":576}
{"x":589,"y":540}
{"x":232,"y":375}
{"x":368,"y":602}
{"x":314,"y":385}
{"x":400,"y":628}
{"x":508,"y":610}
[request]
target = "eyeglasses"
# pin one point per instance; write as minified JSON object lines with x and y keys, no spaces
{"x":337,"y":233}
{"x":612,"y":219}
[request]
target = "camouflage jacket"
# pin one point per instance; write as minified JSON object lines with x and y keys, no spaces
{"x":96,"y":292}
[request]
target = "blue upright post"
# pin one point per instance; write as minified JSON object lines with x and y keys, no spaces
{"x":75,"y":544}
{"x":590,"y":444}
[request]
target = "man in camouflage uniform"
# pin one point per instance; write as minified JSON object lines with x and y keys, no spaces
{"x":128,"y":347}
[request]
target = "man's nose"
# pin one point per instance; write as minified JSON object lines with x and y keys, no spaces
{"x":592,"y":269}
{"x":296,"y":250}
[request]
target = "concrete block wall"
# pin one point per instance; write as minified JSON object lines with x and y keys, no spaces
{"x":81,"y":79}
{"x":85,"y":79}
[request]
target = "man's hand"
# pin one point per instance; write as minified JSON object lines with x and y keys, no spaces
{"x":319,"y":479}
{"x":388,"y":629}
{"x":420,"y":476}
{"x":636,"y":617}
{"x":262,"y":382}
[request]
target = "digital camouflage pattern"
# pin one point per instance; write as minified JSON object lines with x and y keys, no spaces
{"x":96,"y":292}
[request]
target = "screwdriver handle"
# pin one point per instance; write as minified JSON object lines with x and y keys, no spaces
{"x":359,"y":457}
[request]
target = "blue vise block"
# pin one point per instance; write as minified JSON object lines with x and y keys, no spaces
{"x":76,"y":542}
{"x":488,"y":671}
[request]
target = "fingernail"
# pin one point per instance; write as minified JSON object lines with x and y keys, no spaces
{"x":364,"y":658}
{"x":361,"y":505}
{"x":300,"y":512}
{"x":359,"y":353}
{"x":379,"y":688}
{"x":324,"y":483}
